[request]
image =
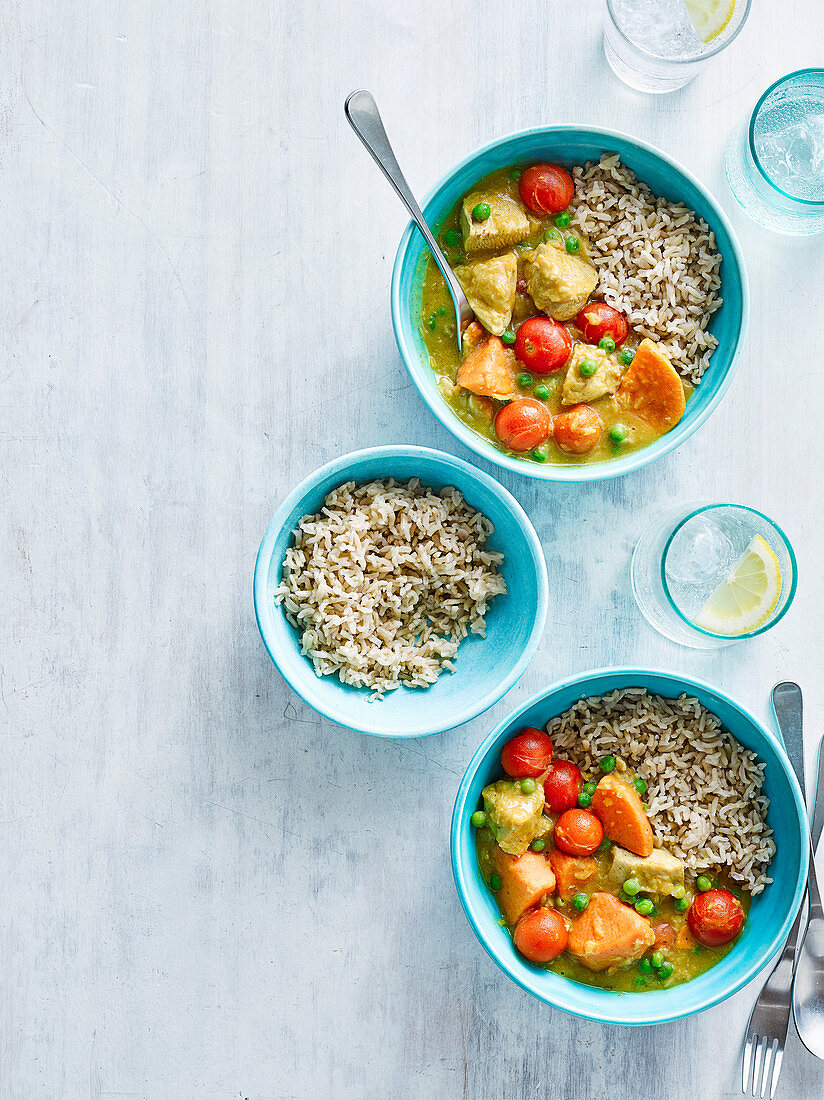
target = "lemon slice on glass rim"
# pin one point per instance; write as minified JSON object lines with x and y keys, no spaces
{"x":748,"y":596}
{"x":709,"y":17}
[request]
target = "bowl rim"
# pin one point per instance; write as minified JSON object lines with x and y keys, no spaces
{"x":346,"y":465}
{"x":461,"y":874}
{"x":596,"y":471}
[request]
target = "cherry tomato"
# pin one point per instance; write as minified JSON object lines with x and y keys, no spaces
{"x":528,"y":753}
{"x":715,"y":917}
{"x":541,"y":935}
{"x":578,"y":832}
{"x":578,"y":430}
{"x":562,"y":786}
{"x":546,"y":188}
{"x":597,"y":320}
{"x":523,"y":424}
{"x":543,"y":345}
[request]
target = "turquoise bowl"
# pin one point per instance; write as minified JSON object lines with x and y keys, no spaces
{"x":485,"y":669}
{"x":771,"y":913}
{"x":574,"y":145}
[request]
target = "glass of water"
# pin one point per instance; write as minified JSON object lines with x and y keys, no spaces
{"x":775,"y":162}
{"x":707,"y":575}
{"x":660,"y":45}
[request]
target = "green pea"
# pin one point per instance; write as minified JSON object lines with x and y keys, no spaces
{"x":626,"y":356}
{"x":654,"y":911}
{"x":644,"y":907}
{"x":552,"y":235}
{"x":515,"y":174}
{"x":452,"y":237}
{"x":680,"y":905}
{"x":572,"y":244}
{"x":638,"y":783}
{"x":604,"y":846}
{"x":590,"y":788}
{"x":618,"y":433}
{"x":432,"y":322}
{"x":481,"y":212}
{"x":587,"y":367}
{"x":495,"y":881}
{"x":528,"y":786}
{"x":541,"y":392}
{"x":698,"y":949}
{"x":539,"y":456}
{"x":678,"y":892}
{"x":607,"y":343}
{"x":580,"y":902}
{"x":632,"y":887}
{"x":664,"y":971}
{"x":645,"y":966}
{"x":508,"y":337}
{"x":607,"y":765}
{"x":584,"y":800}
{"x":703,"y":883}
{"x":640,"y":982}
{"x":562,"y":219}
{"x":538,"y":845}
{"x":524,"y":380}
{"x":478,"y":819}
{"x":656,"y":958}
{"x":441,"y":311}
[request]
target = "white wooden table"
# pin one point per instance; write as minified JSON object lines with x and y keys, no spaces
{"x":206,"y":890}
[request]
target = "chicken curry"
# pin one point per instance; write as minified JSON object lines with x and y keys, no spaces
{"x":582,"y":883}
{"x":547,"y":371}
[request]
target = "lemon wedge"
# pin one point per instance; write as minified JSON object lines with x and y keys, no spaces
{"x":709,"y":17}
{"x":747,"y":598}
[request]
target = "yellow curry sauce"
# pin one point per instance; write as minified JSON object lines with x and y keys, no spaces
{"x":688,"y":961}
{"x":437,"y":329}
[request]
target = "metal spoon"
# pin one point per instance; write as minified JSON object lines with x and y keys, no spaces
{"x":808,"y":985}
{"x":362,"y":112}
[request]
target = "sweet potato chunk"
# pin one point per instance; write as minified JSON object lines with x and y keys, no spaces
{"x":652,"y":388}
{"x":525,"y":881}
{"x":572,"y":873}
{"x":617,"y":805}
{"x":488,"y":372}
{"x":608,"y":934}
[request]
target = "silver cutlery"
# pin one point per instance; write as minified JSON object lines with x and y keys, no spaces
{"x":808,"y":984}
{"x":767,"y":1028}
{"x":362,"y":113}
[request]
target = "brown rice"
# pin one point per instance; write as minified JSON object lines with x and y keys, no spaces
{"x":386,"y":581}
{"x":657,"y":261}
{"x":704,"y":793}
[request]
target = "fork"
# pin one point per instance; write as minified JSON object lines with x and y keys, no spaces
{"x":770,"y":1017}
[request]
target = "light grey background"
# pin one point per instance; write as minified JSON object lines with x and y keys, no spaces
{"x":206,"y":890}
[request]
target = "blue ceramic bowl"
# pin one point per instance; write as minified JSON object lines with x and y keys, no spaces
{"x":574,"y":145}
{"x":772,"y":911}
{"x":485,"y":669}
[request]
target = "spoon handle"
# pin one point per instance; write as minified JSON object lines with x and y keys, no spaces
{"x":789,"y":712}
{"x":362,"y":113}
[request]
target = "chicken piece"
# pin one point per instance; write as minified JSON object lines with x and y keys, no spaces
{"x":514,"y":817}
{"x":525,"y":880}
{"x":580,"y":389}
{"x":488,"y":371}
{"x":507,"y":222}
{"x":558,"y":282}
{"x":660,"y":873}
{"x":490,"y":288}
{"x":609,"y":935}
{"x":652,"y":388}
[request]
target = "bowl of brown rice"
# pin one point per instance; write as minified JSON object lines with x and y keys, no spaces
{"x":665,"y":253}
{"x":400,"y":591}
{"x":720,"y":792}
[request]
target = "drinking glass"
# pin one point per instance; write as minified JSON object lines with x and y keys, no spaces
{"x":686,"y":554}
{"x":653,"y":45}
{"x":775,"y":162}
